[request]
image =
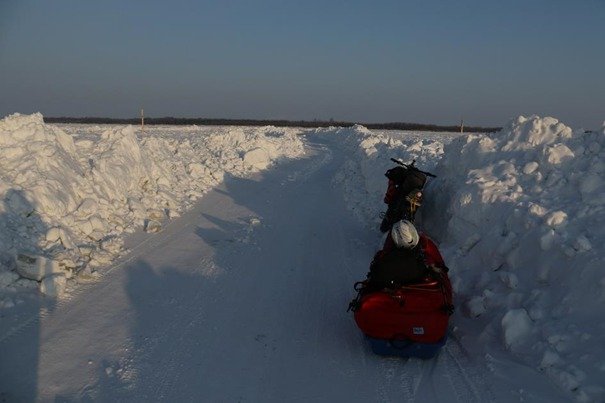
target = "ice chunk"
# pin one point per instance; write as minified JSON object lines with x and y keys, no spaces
{"x":84,"y":226}
{"x":476,"y":306}
{"x":549,"y":359}
{"x":153,"y":226}
{"x":36,"y":267}
{"x":87,"y":207}
{"x":257,"y":158}
{"x":559,"y":153}
{"x":53,"y":234}
{"x":517,"y":326}
{"x":537,"y":210}
{"x":66,"y":240}
{"x":156,"y":214}
{"x":547,"y":240}
{"x":509,"y":279}
{"x":556,"y":219}
{"x":196,"y":170}
{"x":582,"y":244}
{"x":530,"y":167}
{"x":54,"y":285}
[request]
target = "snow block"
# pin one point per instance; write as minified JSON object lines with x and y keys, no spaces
{"x":54,"y":285}
{"x":35,"y":267}
{"x":257,"y":158}
{"x":153,"y":226}
{"x":517,"y":325}
{"x":406,"y":348}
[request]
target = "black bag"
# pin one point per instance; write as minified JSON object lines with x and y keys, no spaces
{"x":406,"y":179}
{"x":399,"y":266}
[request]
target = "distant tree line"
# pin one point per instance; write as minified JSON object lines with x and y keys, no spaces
{"x":278,"y":123}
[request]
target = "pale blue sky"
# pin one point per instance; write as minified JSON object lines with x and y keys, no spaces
{"x":379,"y":61}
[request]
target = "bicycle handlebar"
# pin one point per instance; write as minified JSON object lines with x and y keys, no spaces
{"x":412,"y":167}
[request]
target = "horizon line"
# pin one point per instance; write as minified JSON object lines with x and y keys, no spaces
{"x":268,"y":122}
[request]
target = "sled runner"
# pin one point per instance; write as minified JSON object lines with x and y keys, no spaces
{"x":406,"y":348}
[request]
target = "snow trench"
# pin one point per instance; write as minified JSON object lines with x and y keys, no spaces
{"x":520,"y":217}
{"x":518,"y":214}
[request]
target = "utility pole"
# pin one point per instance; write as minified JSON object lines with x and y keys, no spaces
{"x":461,"y":126}
{"x":142,"y":120}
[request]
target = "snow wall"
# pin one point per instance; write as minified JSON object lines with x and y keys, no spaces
{"x":520,"y":218}
{"x":67,"y":199}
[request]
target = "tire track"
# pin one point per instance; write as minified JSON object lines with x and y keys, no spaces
{"x":467,"y":382}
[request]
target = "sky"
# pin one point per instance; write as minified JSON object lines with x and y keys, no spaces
{"x":382,"y":61}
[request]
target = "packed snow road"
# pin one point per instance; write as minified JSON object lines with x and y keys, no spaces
{"x":243,"y":298}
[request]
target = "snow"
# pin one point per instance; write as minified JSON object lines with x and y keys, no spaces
{"x":53,"y":285}
{"x":69,"y":198}
{"x":518,"y":215}
{"x":536,"y":220}
{"x":35,"y":267}
{"x":517,"y":326}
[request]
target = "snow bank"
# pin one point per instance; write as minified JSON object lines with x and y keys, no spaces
{"x":369,"y":154}
{"x":67,"y":198}
{"x":523,"y":211}
{"x":519,"y":215}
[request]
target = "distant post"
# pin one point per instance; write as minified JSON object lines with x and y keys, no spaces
{"x":142,"y":120}
{"x":461,"y":126}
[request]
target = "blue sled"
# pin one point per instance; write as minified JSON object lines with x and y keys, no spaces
{"x":406,"y":348}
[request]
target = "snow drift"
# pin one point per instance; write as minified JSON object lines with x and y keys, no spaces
{"x":67,"y":199}
{"x":521,"y":221}
{"x":523,"y":213}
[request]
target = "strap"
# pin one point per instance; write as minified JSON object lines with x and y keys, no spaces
{"x":447,"y":306}
{"x":356,"y":302}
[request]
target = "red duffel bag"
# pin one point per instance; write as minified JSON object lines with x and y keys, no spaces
{"x":415,"y":312}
